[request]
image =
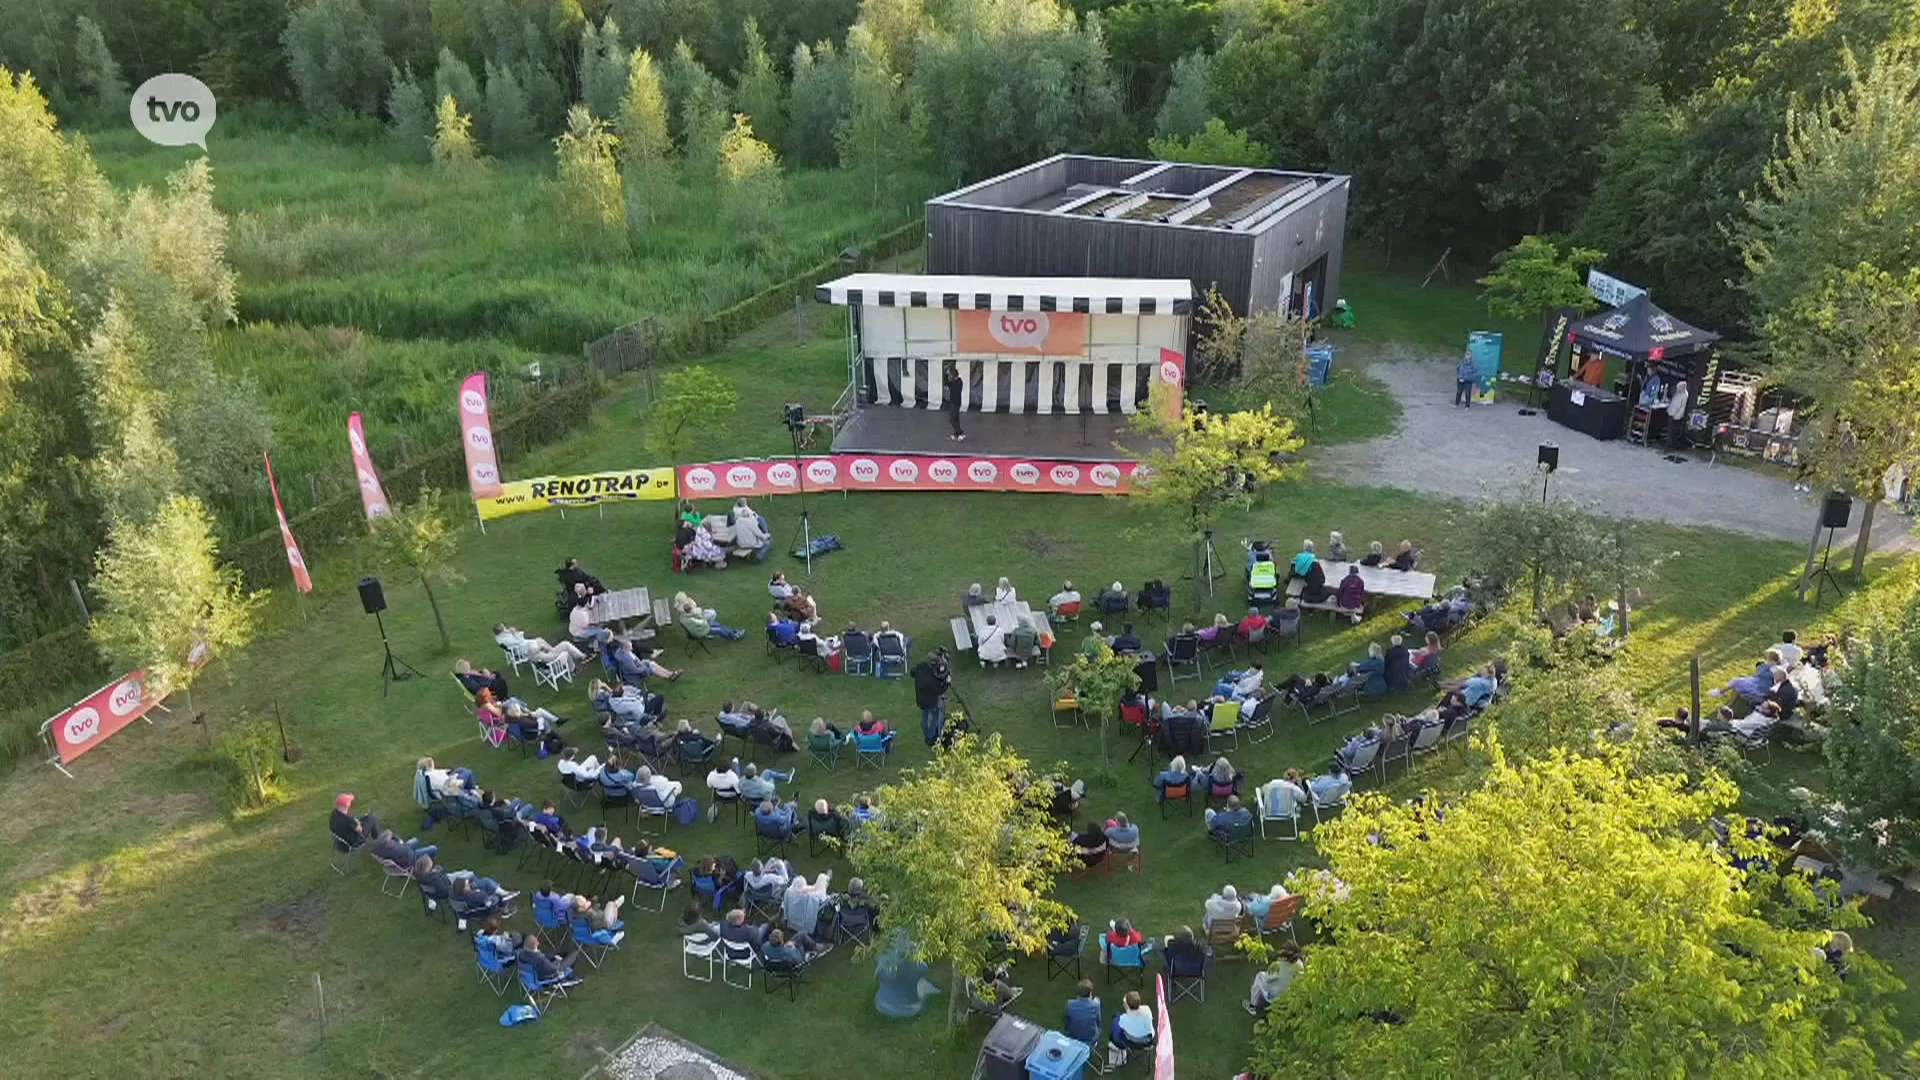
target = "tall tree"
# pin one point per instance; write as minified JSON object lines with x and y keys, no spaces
{"x":1098,"y":682}
{"x":1873,"y":745}
{"x":1149,"y":40}
{"x":819,"y":99}
{"x":750,"y":173}
{"x":1185,"y":111}
{"x":418,"y":540}
{"x":1262,"y":78}
{"x":758,"y":91}
{"x":1624,"y":946}
{"x":98,"y":73}
{"x":588,"y":178}
{"x":964,"y":852}
{"x":510,"y":126}
{"x":603,"y":68}
{"x":881,"y":136}
{"x":646,"y":147}
{"x":897,"y":26}
{"x":454,"y":150}
{"x":453,"y":78}
{"x":692,"y":402}
{"x":703,"y":111}
{"x":336,"y":57}
{"x":165,"y":601}
{"x":408,"y":117}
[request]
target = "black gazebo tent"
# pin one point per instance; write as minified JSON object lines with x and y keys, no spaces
{"x":1651,"y":342}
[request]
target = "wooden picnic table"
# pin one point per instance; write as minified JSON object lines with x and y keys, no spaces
{"x":1379,"y":580}
{"x":619,"y":606}
{"x":1009,"y":617}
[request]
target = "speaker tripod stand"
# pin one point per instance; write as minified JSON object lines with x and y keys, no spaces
{"x":394,"y":669}
{"x":1206,"y":561}
{"x":1823,"y":577}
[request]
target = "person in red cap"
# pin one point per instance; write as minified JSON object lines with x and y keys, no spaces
{"x":350,"y":832}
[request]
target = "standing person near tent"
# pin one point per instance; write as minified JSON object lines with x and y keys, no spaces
{"x":951,"y":390}
{"x":1677,"y":415}
{"x":1465,"y":375}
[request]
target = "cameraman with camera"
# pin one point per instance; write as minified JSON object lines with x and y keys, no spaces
{"x":931,"y":678}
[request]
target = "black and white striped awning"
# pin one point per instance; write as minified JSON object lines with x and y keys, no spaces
{"x":1099,"y":296}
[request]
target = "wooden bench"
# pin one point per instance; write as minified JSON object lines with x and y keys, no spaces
{"x":962,"y":638}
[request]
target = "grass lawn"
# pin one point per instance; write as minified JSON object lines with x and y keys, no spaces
{"x":148,"y":932}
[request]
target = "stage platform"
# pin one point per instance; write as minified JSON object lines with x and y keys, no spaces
{"x":1080,"y":437}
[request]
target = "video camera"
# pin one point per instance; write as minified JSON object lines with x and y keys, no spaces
{"x":794,"y":416}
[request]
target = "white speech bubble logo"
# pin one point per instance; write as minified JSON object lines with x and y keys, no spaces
{"x":1025,"y":473}
{"x":378,"y":510}
{"x":173,"y":110}
{"x":1169,"y":373}
{"x":983,"y":472}
{"x":943,"y":472}
{"x":293,"y":558}
{"x":126,"y":697}
{"x":741,"y":477}
{"x":700,"y":479}
{"x":84,"y":724}
{"x":484,"y":473}
{"x":368,"y":481}
{"x":1106,"y":476}
{"x":1066,"y":475}
{"x":480,"y":438}
{"x":471,"y":401}
{"x":822,"y":471}
{"x":354,"y":437}
{"x":903,"y":471}
{"x":864,"y":470}
{"x":783,"y":474}
{"x":1018,"y":329}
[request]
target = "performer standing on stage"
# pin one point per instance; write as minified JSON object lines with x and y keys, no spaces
{"x":951,"y":389}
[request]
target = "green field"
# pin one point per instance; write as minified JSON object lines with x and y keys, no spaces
{"x":149,"y":930}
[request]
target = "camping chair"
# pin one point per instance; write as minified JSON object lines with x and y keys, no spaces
{"x":343,"y":860}
{"x":774,"y":976}
{"x":737,"y":956}
{"x":890,"y":657}
{"x":517,"y":655}
{"x":706,"y":887}
{"x":1237,"y":836}
{"x":577,"y":789}
{"x":825,"y":749}
{"x":494,"y":968}
{"x":769,"y":838}
{"x":1280,"y":916}
{"x":1424,"y":742}
{"x":494,"y":833}
{"x":979,"y":1004}
{"x":1067,"y":614}
{"x":1283,"y":625}
{"x":1155,"y":596}
{"x":395,"y":872}
{"x":1183,"y":651}
{"x":818,"y":836}
{"x":1217,"y":791}
{"x":670,"y":881}
{"x":777,"y":650}
{"x":1339,"y":803}
{"x":1181,"y":793}
{"x":858,"y":648}
{"x":1063,"y":958}
{"x":611,"y":803}
{"x":1459,"y":730}
{"x":583,"y":939}
{"x":1190,"y":985}
{"x":542,"y":847}
{"x":1065,"y":703}
{"x":1125,"y":961}
{"x":1223,"y":936}
{"x":870,"y":750}
{"x":1399,"y":748}
{"x":694,"y":640}
{"x":690,"y":758}
{"x":1224,"y":721}
{"x":553,"y":669}
{"x":691,"y":950}
{"x":650,"y":806}
{"x":541,"y":995}
{"x":854,"y":923}
{"x":764,"y":902}
{"x":731,"y":798}
{"x":738,"y":727}
{"x":1257,"y":721}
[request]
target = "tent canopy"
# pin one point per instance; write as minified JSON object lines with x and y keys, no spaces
{"x":1639,"y":330}
{"x":1111,"y":296}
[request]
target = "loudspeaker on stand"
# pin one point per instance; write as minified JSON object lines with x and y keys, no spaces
{"x":372,"y":599}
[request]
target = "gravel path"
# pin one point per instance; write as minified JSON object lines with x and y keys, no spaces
{"x":1462,"y":453}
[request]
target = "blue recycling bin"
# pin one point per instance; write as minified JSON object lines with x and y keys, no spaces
{"x":1056,"y":1057}
{"x":1319,"y":363}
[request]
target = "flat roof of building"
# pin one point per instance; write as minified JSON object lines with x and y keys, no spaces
{"x":1217,"y":198}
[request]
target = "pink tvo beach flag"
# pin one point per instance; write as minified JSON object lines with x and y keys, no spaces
{"x":1163,"y":1033}
{"x":476,"y":434}
{"x":301,"y":579}
{"x":372,"y":499}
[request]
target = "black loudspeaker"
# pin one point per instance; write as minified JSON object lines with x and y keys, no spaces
{"x":1837,"y":509}
{"x":1549,"y":458}
{"x":371,"y":598}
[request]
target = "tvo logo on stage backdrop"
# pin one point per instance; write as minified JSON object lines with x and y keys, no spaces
{"x":1019,"y":329}
{"x":700,"y":479}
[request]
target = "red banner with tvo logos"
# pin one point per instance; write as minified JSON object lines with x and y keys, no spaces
{"x":904,"y":472}
{"x":103,"y":712}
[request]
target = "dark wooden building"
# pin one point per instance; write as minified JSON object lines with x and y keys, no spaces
{"x":1263,"y":237}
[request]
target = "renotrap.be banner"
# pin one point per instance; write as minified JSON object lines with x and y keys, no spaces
{"x":578,"y":489}
{"x":904,"y":472}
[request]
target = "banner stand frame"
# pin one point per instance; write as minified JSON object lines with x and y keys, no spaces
{"x":53,"y":751}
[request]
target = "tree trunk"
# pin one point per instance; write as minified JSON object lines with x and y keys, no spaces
{"x":1864,"y":542}
{"x":1106,"y":755}
{"x":439,"y":621}
{"x":1620,"y":545}
{"x":956,"y":995}
{"x":1539,"y":590}
{"x":1813,"y":550}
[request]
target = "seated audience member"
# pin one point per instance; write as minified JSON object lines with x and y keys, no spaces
{"x":1241,"y":685}
{"x":535,"y":648}
{"x":667,"y":789}
{"x":1224,"y":905}
{"x":1112,"y":600}
{"x":1477,"y":689}
{"x":1372,"y":672}
{"x":872,"y":728}
{"x":438,"y":882}
{"x":1003,"y":593}
{"x":1785,"y":693}
{"x":1132,"y":1027}
{"x":824,"y":821}
{"x":478,"y":679}
{"x":771,"y":819}
{"x":992,"y":646}
{"x":1068,"y":595}
{"x":1376,"y":554}
{"x":391,"y":848}
{"x":693,"y":924}
{"x":792,"y":599}
{"x":1120,"y":934}
{"x":603,"y":920}
{"x":1302,"y":561}
{"x":633,"y":669}
{"x":1083,"y":1014}
{"x":779,"y":954}
{"x":1269,"y":984}
{"x":1754,"y":725}
{"x":1359,"y":749}
{"x":627,"y":704}
{"x":1313,"y":589}
{"x":1219,"y":632}
{"x":1090,"y":843}
{"x":1789,"y":648}
{"x":750,"y":533}
{"x":754,"y":787}
{"x":1096,"y":637}
{"x":1174,"y":775}
{"x":1223,"y":823}
{"x":739,"y":931}
{"x":1183,"y":955}
{"x":1336,"y":547}
{"x":1283,"y":797}
{"x":1351,"y":596}
{"x":768,"y":876}
{"x":1223,"y":776}
{"x":503,"y":942}
{"x":821,"y":729}
{"x":769,"y":729}
{"x":701,"y":622}
{"x":724,"y":782}
{"x":1260,"y":903}
{"x":691,"y":743}
{"x":1399,"y":667}
{"x":701,"y":547}
{"x":863,"y":810}
{"x":975,"y":596}
{"x":1330,"y":787}
{"x":573,"y":579}
{"x":548,"y":968}
{"x":1250,"y":624}
{"x":580,"y":627}
{"x":1126,"y":641}
{"x":570,"y":765}
{"x":616,"y":780}
{"x":549,"y":819}
{"x":1427,"y":656}
{"x":889,"y":642}
{"x":1066,"y":801}
{"x":349,"y":830}
{"x":808,"y":640}
{"x":1405,"y":558}
{"x":1123,"y":836}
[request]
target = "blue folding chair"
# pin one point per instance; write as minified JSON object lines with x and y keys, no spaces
{"x":595,"y":944}
{"x":707,"y":888}
{"x":1124,"y":961}
{"x":546,"y":915}
{"x":870,"y":750}
{"x":540,"y":994}
{"x":495,"y":970}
